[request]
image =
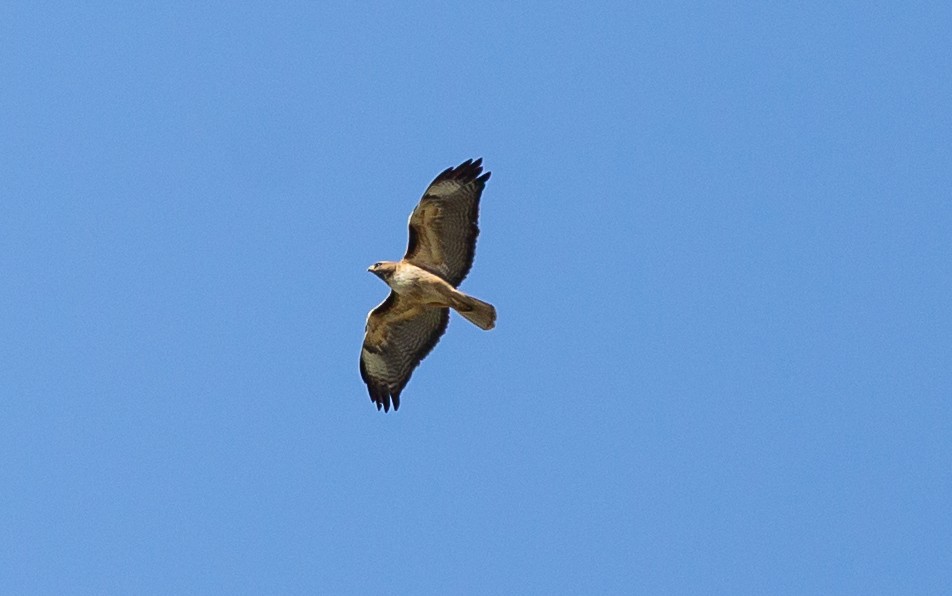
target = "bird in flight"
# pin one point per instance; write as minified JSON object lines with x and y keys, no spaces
{"x":406,"y":326}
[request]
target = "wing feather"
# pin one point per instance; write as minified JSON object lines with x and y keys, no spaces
{"x":444,"y":224}
{"x":399,"y":334}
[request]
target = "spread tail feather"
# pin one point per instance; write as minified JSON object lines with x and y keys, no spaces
{"x":479,"y":313}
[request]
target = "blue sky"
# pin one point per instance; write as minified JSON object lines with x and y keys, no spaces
{"x":718,"y":238}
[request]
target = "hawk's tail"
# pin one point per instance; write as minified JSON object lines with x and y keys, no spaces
{"x":479,"y":313}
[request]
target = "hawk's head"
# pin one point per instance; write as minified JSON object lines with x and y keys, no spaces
{"x":384,"y":270}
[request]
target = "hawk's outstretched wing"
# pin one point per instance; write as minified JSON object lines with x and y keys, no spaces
{"x":443,"y":226}
{"x":400,"y":333}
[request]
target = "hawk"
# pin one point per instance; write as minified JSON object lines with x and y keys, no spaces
{"x":406,"y":326}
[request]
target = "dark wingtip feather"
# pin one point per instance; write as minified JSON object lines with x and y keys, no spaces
{"x":383,"y":399}
{"x":468,"y":170}
{"x":380,"y":396}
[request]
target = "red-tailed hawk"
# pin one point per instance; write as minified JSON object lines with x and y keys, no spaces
{"x":408,"y":324}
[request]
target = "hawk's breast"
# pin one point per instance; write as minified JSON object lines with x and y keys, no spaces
{"x":416,"y":283}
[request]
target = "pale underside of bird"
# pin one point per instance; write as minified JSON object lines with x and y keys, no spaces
{"x":405,"y":327}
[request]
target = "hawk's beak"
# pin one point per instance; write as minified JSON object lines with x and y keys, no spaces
{"x":370,"y":269}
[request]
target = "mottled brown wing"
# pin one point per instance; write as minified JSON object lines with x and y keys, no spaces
{"x":399,"y":335}
{"x":443,"y":226}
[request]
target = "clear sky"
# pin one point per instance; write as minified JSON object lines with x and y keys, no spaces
{"x":718,"y":235}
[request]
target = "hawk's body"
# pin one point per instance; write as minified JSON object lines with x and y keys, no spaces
{"x":408,"y":324}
